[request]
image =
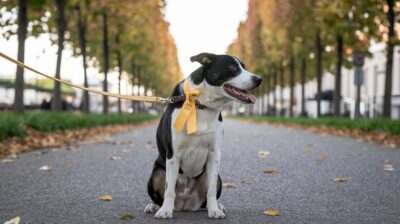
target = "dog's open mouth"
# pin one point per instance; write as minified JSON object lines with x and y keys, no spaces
{"x":240,"y":94}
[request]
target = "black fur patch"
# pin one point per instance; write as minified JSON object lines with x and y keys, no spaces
{"x":197,"y":76}
{"x":220,"y":117}
{"x":219,"y":71}
{"x":164,"y":136}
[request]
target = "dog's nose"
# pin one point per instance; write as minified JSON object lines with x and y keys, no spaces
{"x":257,"y":80}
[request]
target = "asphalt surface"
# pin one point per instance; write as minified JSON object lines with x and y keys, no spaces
{"x":304,"y":190}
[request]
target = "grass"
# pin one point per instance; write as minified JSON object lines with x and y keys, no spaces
{"x":12,"y":124}
{"x":366,"y":125}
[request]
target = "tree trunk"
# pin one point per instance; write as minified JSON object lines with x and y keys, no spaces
{"x":303,"y":81}
{"x":61,"y":27}
{"x":119,"y":61}
{"x":139,"y":75}
{"x":133,"y":82}
{"x":282,"y":84}
{"x":338,"y":78}
{"x":387,"y":101}
{"x":22,"y":33}
{"x":106,"y":65}
{"x":82,"y":41}
{"x":262,"y":98}
{"x":275,"y":83}
{"x":292,"y":65}
{"x":268,"y":90}
{"x":319,"y":71}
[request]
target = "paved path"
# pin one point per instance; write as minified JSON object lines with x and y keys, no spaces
{"x":303,"y":190}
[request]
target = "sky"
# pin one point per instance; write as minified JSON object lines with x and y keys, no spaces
{"x":196,"y":25}
{"x":203,"y":26}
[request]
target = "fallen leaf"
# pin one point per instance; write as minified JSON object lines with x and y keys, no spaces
{"x":8,"y":161}
{"x":263,"y":154}
{"x":309,"y":149}
{"x":271,"y":212}
{"x":245,"y":181}
{"x":388,"y":165}
{"x":151,"y":147}
{"x":15,"y":220}
{"x":114,"y":158}
{"x":126,"y":217}
{"x":106,"y":197}
{"x":67,"y":161}
{"x":229,"y":185}
{"x":13,"y":156}
{"x":38,"y":153}
{"x":121,"y":151}
{"x":322,"y":156}
{"x":271,"y":170}
{"x":74,"y":149}
{"x":341,"y":179}
{"x":45,"y":168}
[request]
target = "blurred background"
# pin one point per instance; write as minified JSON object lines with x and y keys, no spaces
{"x":317,"y":57}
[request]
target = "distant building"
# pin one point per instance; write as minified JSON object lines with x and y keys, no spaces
{"x":372,"y":91}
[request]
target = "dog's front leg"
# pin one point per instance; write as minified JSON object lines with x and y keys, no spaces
{"x":172,"y":171}
{"x":213,"y":162}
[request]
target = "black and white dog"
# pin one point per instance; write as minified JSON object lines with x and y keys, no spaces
{"x":185,"y":175}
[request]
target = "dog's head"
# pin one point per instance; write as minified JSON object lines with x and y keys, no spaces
{"x":225,"y":77}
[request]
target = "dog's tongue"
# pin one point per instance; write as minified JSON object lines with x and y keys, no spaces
{"x":252,"y":98}
{"x":239,"y":94}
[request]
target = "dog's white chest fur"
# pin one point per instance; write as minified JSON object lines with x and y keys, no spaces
{"x":194,"y":149}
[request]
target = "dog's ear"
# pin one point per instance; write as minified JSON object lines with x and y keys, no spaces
{"x":203,"y":58}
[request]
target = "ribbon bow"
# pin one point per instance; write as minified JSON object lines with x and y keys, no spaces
{"x":187,"y":114}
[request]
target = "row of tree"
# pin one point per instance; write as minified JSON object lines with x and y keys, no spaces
{"x":280,"y":37}
{"x":130,"y":37}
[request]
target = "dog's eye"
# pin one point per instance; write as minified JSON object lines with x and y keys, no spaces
{"x":234,"y":68}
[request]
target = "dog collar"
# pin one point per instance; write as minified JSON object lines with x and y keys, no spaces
{"x":176,"y":99}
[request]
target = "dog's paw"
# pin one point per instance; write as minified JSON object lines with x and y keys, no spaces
{"x":216,"y":213}
{"x":163,"y":213}
{"x":221,"y":207}
{"x":151,"y":208}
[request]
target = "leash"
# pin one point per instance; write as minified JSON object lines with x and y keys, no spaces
{"x":187,"y":114}
{"x":148,"y":99}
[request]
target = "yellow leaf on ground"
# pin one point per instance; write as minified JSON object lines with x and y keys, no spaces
{"x":8,"y":161}
{"x":263,"y":154}
{"x":323,"y":156}
{"x":271,"y":170}
{"x":106,"y":197}
{"x":229,"y":185}
{"x":246,"y":181}
{"x":271,"y":212}
{"x":341,"y":179}
{"x":114,"y":158}
{"x":126,"y":217}
{"x":15,"y":220}
{"x":45,"y":168}
{"x":309,"y":149}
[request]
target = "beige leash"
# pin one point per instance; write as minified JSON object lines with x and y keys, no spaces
{"x":149,"y":99}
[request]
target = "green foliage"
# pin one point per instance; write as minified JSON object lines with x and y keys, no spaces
{"x":12,"y":124}
{"x":367,"y":125}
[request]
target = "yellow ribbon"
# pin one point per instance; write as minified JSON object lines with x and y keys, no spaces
{"x":187,"y":114}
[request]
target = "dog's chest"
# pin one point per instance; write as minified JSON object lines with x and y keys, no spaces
{"x":193,"y":151}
